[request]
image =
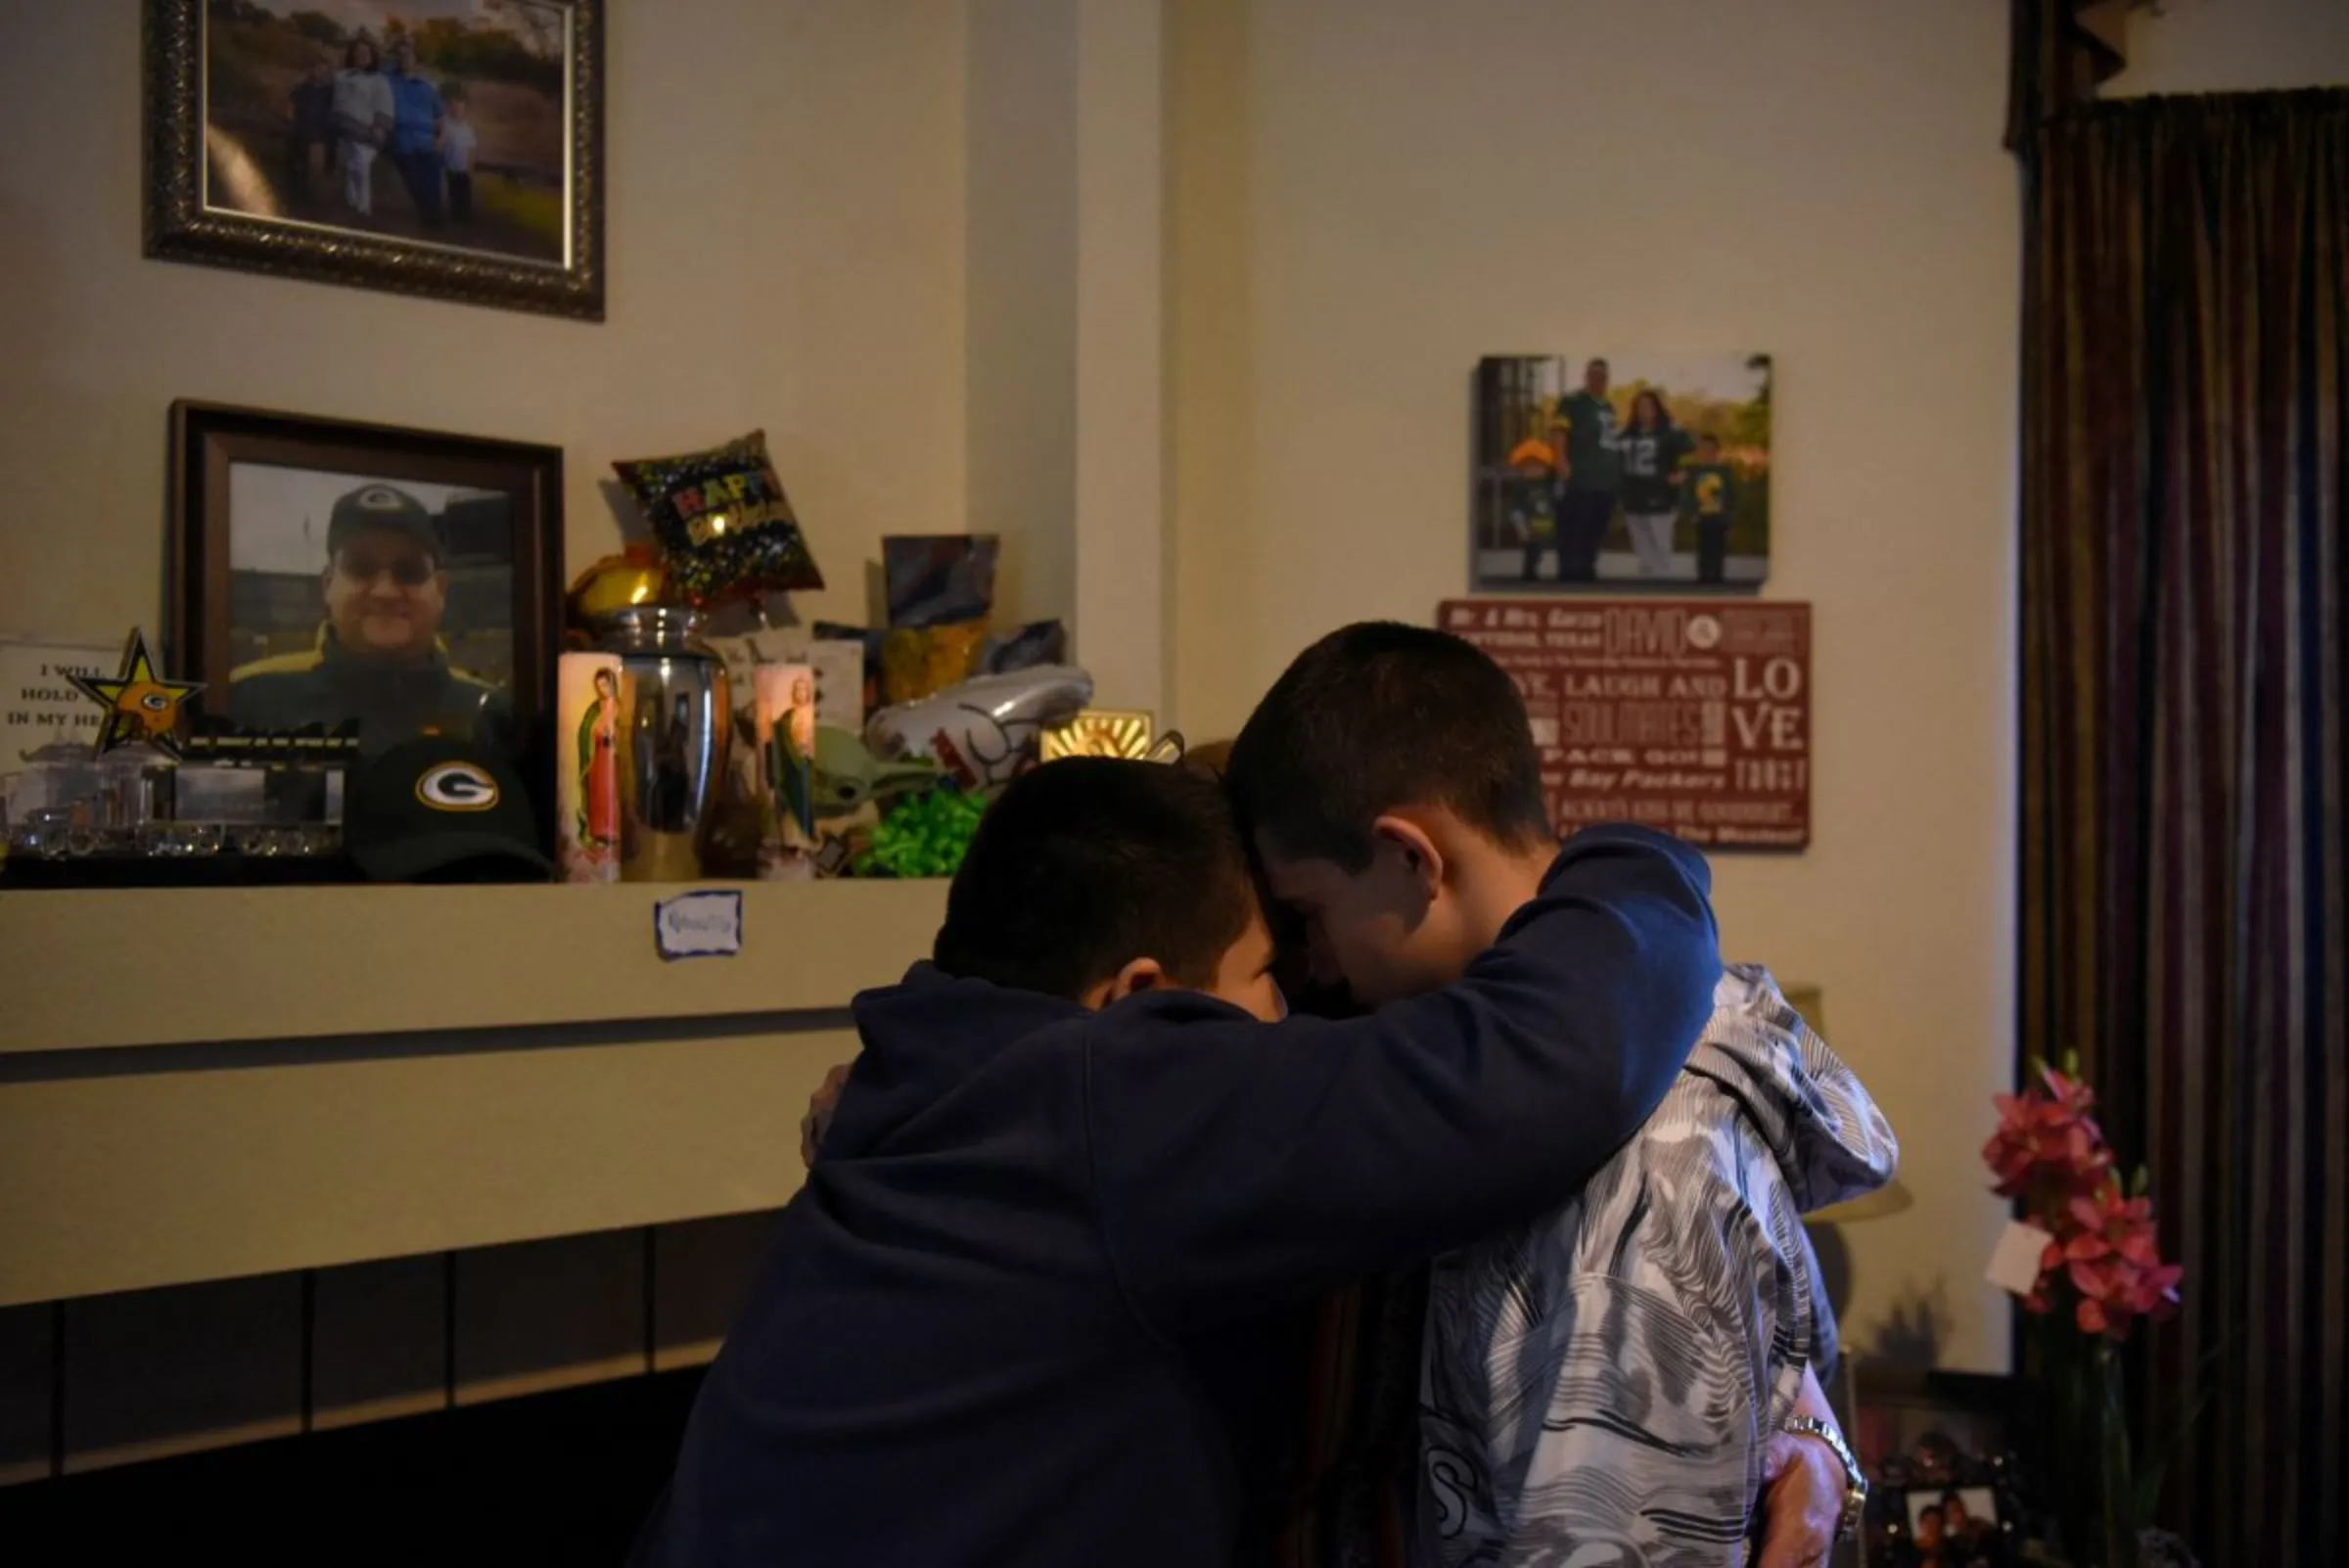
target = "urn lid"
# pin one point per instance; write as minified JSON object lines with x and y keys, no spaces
{"x":666,"y":628}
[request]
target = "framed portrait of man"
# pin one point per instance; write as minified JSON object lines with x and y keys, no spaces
{"x":450,"y":148}
{"x":331,"y":574}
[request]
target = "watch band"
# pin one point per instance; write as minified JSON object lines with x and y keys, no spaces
{"x":1854,"y":1483}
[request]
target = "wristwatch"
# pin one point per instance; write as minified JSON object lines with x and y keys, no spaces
{"x":1854,"y":1483}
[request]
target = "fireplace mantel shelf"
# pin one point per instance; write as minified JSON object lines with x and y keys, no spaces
{"x":150,"y":967}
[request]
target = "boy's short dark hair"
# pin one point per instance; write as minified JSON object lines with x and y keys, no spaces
{"x":1378,"y":715}
{"x":1083,"y":865}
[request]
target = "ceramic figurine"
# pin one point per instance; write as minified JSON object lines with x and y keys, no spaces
{"x":847,"y":775}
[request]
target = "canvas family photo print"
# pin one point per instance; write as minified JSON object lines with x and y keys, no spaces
{"x":1621,"y":471}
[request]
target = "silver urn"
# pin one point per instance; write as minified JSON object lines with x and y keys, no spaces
{"x":676,"y":723}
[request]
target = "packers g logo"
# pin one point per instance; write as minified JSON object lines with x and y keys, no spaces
{"x":457,"y":787}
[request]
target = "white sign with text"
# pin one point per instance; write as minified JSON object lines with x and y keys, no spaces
{"x":699,"y":925}
{"x":39,"y":705}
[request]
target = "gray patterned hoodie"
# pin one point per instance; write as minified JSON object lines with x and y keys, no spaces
{"x":1599,"y":1383}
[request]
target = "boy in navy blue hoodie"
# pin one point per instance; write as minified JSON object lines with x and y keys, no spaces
{"x":1023,"y":1308}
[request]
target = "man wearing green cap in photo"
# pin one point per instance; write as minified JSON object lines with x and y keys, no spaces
{"x":379,"y":656}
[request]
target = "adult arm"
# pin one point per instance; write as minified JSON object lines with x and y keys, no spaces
{"x":1802,"y":1506}
{"x":1237,"y":1162}
{"x":820,"y":1106}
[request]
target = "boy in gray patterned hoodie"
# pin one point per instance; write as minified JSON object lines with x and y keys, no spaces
{"x":1602,"y":1381}
{"x":1612,"y":1382}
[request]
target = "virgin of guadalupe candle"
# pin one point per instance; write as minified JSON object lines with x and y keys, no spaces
{"x":587,"y":705}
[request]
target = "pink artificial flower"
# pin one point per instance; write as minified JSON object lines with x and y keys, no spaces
{"x":2046,"y":1146}
{"x":2113,"y":1261}
{"x":2050,"y":1152}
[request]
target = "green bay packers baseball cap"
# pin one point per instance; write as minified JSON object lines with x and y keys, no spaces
{"x":438,"y":810}
{"x":381,"y":506}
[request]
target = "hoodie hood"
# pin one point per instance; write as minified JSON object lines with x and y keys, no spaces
{"x":1826,"y":1131}
{"x":923,"y":1039}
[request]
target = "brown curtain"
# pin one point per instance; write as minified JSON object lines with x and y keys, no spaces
{"x":2184,"y":924}
{"x":2062,"y":51}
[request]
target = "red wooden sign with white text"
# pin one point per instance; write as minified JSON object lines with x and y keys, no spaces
{"x":1689,"y":714}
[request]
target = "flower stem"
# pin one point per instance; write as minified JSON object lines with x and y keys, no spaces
{"x":2119,"y":1489}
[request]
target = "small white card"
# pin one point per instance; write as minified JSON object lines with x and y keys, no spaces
{"x":699,"y":925}
{"x":2015,"y":1261}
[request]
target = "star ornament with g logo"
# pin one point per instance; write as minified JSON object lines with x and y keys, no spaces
{"x":141,"y":706}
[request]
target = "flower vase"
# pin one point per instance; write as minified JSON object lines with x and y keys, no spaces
{"x":2116,"y":1487}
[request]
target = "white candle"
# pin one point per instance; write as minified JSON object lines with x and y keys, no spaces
{"x":589,"y":688}
{"x":785,"y":716}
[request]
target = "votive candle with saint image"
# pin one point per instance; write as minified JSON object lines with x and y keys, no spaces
{"x":785,"y":713}
{"x":587,"y":713}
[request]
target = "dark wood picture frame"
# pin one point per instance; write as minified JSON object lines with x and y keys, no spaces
{"x":1977,"y":1412}
{"x":183,"y":225}
{"x":209,"y":439}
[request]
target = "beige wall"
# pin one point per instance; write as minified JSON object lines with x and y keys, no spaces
{"x":1019,"y":250}
{"x":785,"y":248}
{"x":1370,"y":194}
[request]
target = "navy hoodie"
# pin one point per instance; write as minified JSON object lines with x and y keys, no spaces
{"x":1002,"y":1322}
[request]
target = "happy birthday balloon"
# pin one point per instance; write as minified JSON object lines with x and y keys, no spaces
{"x":725,"y":528}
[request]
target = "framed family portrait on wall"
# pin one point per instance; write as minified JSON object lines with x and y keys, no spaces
{"x":450,"y":148}
{"x":331,"y":575}
{"x":1620,"y":472}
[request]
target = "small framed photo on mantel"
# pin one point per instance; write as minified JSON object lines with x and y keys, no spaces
{"x":1946,"y":1487}
{"x":325,"y":573}
{"x":451,"y":149}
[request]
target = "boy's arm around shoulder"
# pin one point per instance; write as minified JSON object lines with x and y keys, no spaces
{"x":1236,"y":1162}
